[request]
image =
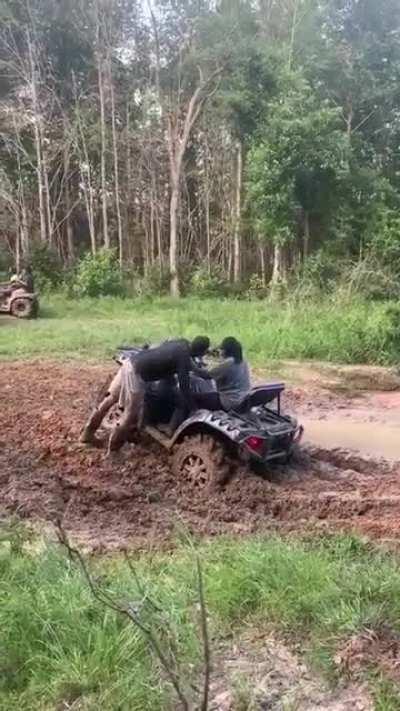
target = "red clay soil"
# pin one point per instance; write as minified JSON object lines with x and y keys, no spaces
{"x":44,"y":475}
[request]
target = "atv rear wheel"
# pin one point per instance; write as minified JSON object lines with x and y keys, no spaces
{"x":22,"y":308}
{"x":201,"y":461}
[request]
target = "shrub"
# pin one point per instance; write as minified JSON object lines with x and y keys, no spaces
{"x":153,"y":283}
{"x":206,"y":284}
{"x":47,"y":267}
{"x":98,"y":275}
{"x":256,"y":289}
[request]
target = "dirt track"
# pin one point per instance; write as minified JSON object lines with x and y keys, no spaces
{"x":44,"y":474}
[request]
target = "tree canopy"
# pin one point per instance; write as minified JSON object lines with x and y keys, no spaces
{"x":181,"y":134}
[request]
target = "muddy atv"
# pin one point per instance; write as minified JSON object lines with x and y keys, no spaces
{"x":207,"y":443}
{"x":16,"y":300}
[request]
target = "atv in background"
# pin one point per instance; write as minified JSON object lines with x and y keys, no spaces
{"x":16,"y":300}
{"x":205,"y":445}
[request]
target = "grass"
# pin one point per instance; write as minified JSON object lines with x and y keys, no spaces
{"x":58,"y":645}
{"x":337,"y":331}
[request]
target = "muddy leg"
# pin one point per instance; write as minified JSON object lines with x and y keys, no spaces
{"x":132,"y":417}
{"x":96,"y":418}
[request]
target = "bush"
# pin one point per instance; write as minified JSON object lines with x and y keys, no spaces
{"x":371,"y":280}
{"x":256,"y":289}
{"x":153,"y":283}
{"x":324,"y":274}
{"x":98,"y":275}
{"x":204,"y":283}
{"x":47,"y":267}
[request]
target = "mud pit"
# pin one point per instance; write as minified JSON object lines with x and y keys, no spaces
{"x":45,"y":475}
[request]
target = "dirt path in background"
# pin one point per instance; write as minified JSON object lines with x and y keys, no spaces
{"x":43,"y":474}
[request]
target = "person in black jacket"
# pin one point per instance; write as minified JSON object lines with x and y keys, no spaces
{"x":172,"y":358}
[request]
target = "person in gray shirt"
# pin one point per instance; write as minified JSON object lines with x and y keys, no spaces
{"x":232,"y":378}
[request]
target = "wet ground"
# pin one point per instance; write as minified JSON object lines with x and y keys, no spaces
{"x":348,"y":478}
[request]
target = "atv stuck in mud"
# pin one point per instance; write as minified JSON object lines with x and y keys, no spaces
{"x":16,"y":300}
{"x":205,"y":445}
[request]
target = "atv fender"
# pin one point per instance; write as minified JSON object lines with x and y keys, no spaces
{"x":218,"y":422}
{"x":21,"y":294}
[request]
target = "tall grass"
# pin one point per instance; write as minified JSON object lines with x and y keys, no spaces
{"x":333,"y":329}
{"x":58,"y":645}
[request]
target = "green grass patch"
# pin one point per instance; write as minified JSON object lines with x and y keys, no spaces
{"x":332,"y":330}
{"x":57,"y":644}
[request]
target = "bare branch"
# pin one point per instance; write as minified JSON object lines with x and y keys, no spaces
{"x":129,"y":610}
{"x":206,"y":640}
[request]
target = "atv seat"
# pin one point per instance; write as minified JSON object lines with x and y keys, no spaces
{"x":261,"y":395}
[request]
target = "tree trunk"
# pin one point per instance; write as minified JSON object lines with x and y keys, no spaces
{"x":18,"y":246}
{"x":349,"y":118}
{"x":38,"y":142}
{"x":262,"y":264}
{"x":47,"y":201}
{"x":293,"y":34}
{"x":86,"y":176}
{"x":178,"y":135}
{"x":159,"y":244}
{"x":208,"y":232}
{"x":306,"y":235}
{"x":152,"y":233}
{"x":128,"y":181}
{"x":277,"y":265}
{"x":68,"y":226}
{"x":116,"y":170}
{"x":173,"y":245}
{"x":103,"y":132}
{"x":238,"y":214}
{"x":24,"y":229}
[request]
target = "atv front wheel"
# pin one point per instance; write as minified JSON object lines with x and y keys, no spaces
{"x":22,"y":308}
{"x":201,"y":461}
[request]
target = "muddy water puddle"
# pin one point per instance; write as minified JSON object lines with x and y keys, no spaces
{"x":370,"y":439}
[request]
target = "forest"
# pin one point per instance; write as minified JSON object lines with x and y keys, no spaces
{"x":204,"y":144}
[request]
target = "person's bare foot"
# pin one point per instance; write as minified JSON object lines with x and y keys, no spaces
{"x":90,"y":440}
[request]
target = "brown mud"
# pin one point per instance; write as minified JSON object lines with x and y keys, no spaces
{"x":136,"y":500}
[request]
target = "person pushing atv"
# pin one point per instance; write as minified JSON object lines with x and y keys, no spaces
{"x":163,"y":363}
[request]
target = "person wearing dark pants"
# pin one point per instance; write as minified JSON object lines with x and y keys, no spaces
{"x":172,"y":358}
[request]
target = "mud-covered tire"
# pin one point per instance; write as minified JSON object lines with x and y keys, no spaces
{"x":22,"y":308}
{"x":297,"y":456}
{"x":201,"y":462}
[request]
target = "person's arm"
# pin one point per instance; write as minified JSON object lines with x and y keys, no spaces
{"x":200,"y":372}
{"x":220,"y":370}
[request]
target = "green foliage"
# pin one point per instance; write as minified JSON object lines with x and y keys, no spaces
{"x":384,"y":242}
{"x":207,"y":284}
{"x":152,"y":284}
{"x":295,"y":161}
{"x":46,"y":267}
{"x":98,"y":275}
{"x":323,"y":273}
{"x":256,"y":288}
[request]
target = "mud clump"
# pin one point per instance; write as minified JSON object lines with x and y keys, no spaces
{"x":45,"y":474}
